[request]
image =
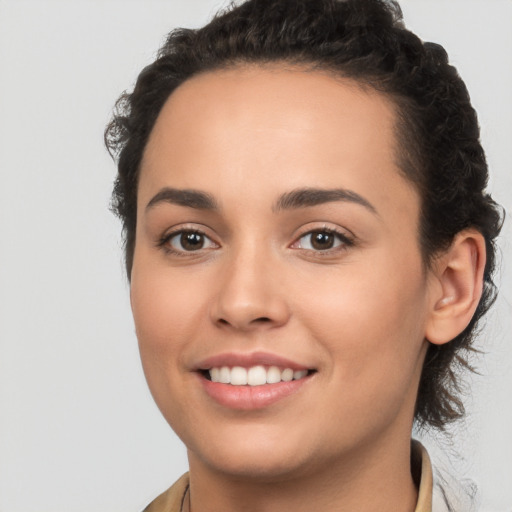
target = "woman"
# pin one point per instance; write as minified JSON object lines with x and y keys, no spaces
{"x":310,"y":248}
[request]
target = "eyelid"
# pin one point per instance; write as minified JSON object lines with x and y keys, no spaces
{"x":346,"y":238}
{"x":164,"y":240}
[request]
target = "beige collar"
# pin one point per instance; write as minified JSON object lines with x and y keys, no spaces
{"x":419,"y":456}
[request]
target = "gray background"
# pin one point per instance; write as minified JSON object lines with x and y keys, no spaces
{"x":78,"y":429}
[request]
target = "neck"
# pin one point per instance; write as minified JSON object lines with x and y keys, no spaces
{"x":368,"y":480}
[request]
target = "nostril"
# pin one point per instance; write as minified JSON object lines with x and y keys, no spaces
{"x":262,"y":319}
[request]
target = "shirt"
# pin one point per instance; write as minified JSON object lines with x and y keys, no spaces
{"x":173,"y":500}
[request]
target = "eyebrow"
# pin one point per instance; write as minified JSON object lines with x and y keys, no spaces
{"x":184,"y":197}
{"x":305,"y":197}
{"x":298,"y":198}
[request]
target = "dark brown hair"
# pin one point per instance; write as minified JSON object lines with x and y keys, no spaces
{"x":364,"y":40}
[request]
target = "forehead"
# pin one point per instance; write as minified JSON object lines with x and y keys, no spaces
{"x":271,"y":128}
{"x":253,"y":101}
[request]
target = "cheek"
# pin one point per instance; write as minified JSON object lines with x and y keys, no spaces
{"x":167,"y":311}
{"x":168,"y":315}
{"x":372,"y":337}
{"x":370,"y":318}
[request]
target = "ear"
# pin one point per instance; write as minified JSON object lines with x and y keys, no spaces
{"x":457,"y":287}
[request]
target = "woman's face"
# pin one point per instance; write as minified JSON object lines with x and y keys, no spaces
{"x":275,"y":233}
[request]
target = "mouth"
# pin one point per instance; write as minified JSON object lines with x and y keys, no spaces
{"x":258,"y":375}
{"x":252,"y":381}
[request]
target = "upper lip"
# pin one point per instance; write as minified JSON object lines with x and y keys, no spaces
{"x":247,"y":360}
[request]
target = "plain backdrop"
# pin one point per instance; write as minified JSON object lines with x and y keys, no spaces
{"x":78,"y":429}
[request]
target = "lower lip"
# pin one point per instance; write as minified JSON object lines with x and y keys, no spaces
{"x":248,"y":398}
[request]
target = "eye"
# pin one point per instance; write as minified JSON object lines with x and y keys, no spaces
{"x":322,"y":240}
{"x":188,"y":241}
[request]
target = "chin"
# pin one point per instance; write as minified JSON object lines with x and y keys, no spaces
{"x":257,"y":469}
{"x":258,"y":458}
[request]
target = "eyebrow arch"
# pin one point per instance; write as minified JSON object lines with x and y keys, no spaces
{"x":304,"y":197}
{"x":184,"y":197}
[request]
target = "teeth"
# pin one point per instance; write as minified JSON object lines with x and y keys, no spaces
{"x":287,"y":375}
{"x":215,"y":374}
{"x":273,"y":375}
{"x":238,"y":376}
{"x":255,"y":375}
{"x":225,"y":375}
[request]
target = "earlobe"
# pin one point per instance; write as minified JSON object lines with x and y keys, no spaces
{"x":458,"y":287}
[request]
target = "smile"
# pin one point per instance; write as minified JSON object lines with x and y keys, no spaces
{"x":252,"y":381}
{"x":254,"y":376}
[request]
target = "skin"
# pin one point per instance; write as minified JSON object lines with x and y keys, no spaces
{"x":358,"y":313}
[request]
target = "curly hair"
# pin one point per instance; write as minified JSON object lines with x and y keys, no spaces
{"x":365,"y":40}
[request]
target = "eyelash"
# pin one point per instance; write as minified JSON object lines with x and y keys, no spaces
{"x":345,"y":241}
{"x":165,"y":244}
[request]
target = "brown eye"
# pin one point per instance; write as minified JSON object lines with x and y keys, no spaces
{"x":189,"y":241}
{"x":322,"y":240}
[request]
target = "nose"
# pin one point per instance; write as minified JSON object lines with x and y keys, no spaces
{"x":251,"y":294}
